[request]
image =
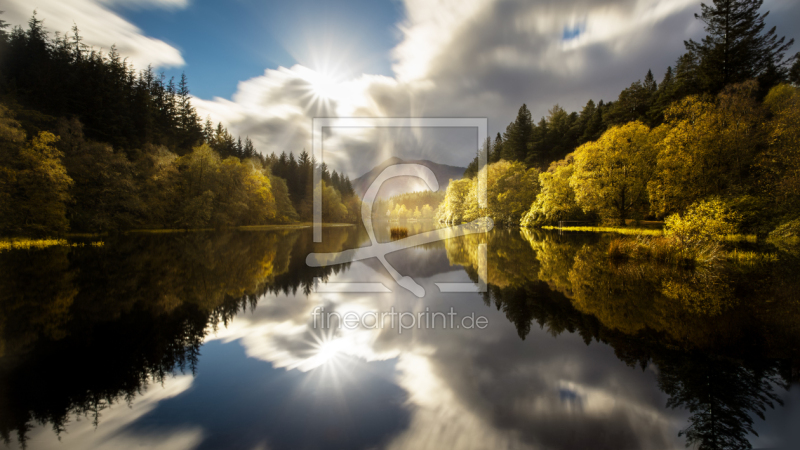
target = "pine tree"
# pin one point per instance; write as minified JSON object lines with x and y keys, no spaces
{"x":663,"y":97}
{"x":736,"y":48}
{"x":249,"y":149}
{"x":518,"y":135}
{"x":3,"y":32}
{"x":348,"y":190}
{"x":794,"y":73}
{"x":594,"y":127}
{"x":497,"y":149}
{"x":687,"y":76}
{"x":208,"y":131}
{"x":650,"y":82}
{"x":239,"y":148}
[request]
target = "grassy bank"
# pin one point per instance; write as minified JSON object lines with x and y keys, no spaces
{"x":38,"y":244}
{"x":618,"y":230}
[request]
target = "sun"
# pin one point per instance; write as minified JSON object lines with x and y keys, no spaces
{"x":323,"y":86}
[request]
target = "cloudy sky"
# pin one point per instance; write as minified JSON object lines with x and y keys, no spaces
{"x":265,"y":69}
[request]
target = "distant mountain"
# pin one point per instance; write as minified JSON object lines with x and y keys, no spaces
{"x":400,"y":185}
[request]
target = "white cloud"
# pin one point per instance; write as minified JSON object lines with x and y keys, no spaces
{"x":475,"y":58}
{"x":101,"y":27}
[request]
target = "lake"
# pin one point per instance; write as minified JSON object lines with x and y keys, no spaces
{"x":210,"y":340}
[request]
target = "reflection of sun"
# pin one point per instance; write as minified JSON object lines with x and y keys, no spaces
{"x":325,"y":349}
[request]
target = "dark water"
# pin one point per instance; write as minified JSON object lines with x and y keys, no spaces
{"x":207,"y":340}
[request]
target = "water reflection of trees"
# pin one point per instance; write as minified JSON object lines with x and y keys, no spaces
{"x":83,"y":328}
{"x":721,"y":338}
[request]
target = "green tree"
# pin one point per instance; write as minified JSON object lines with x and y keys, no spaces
{"x":662,"y":98}
{"x":736,"y":48}
{"x":794,"y":72}
{"x":517,"y":136}
{"x":633,"y":104}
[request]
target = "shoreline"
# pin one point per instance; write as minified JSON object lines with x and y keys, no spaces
{"x":27,"y":243}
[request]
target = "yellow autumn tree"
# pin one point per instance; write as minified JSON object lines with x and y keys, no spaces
{"x":34,"y":185}
{"x":454,"y":206}
{"x":333,"y":210}
{"x":707,"y":149}
{"x":216,"y":193}
{"x":781,"y":161}
{"x":511,"y":188}
{"x":611,"y":175}
{"x":556,"y":201}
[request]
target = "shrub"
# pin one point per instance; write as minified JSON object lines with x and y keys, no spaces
{"x":703,"y":222}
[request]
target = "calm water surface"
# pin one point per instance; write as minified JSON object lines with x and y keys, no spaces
{"x":207,"y":341}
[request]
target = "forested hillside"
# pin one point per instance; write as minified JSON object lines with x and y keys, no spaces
{"x":89,"y":143}
{"x":722,"y":127}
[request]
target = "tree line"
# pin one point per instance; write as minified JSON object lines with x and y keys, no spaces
{"x":87,"y":143}
{"x":419,"y":205}
{"x":722,"y":125}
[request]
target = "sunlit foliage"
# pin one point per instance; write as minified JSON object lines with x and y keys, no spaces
{"x":556,"y":201}
{"x":704,"y":221}
{"x":510,"y":190}
{"x":611,"y":174}
{"x":707,"y":148}
{"x":34,"y":185}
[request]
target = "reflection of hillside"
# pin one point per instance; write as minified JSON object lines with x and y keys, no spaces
{"x":721,"y":365}
{"x":712,"y":308}
{"x":509,"y":259}
{"x":86,"y":327}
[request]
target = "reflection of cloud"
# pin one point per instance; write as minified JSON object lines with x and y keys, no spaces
{"x":281,"y":331}
{"x":110,"y":433}
{"x":473,"y":388}
{"x":101,"y":27}
{"x":243,"y":403}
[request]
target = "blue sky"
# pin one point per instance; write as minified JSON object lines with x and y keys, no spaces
{"x":224,"y":45}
